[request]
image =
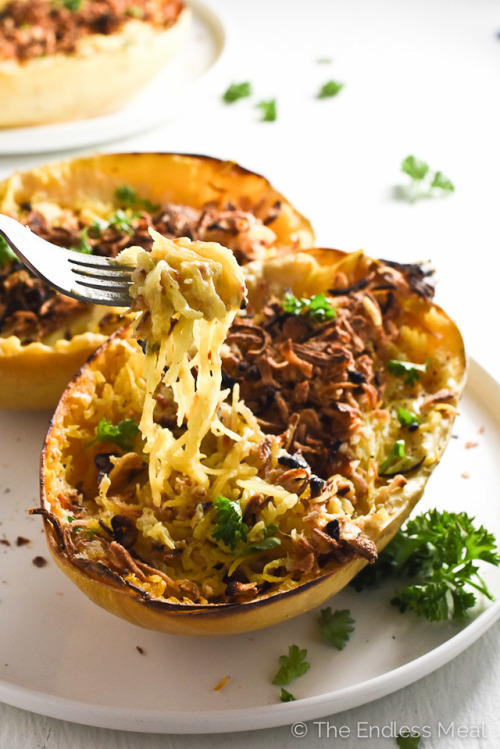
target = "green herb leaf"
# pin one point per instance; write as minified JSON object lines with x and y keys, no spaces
{"x":416,"y":168}
{"x":397,"y":458}
{"x":128,"y":198}
{"x":73,"y":5}
{"x":268,"y":110}
{"x":122,"y":434}
{"x":84,"y":247}
{"x":271,"y":542}
{"x":336,"y":627}
{"x":237,"y":91}
{"x":442,"y":182}
{"x":291,"y":665}
{"x":406,"y":418}
{"x":318,"y":307}
{"x":229,"y":527}
{"x":135,"y":12}
{"x":331,"y":88}
{"x":286,"y":696}
{"x":437,"y":553}
{"x":408,"y":741}
{"x":6,"y":254}
{"x":407,"y":369}
{"x":324,"y":60}
{"x":122,"y":221}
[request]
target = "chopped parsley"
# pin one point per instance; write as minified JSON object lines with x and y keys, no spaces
{"x":396,"y":460}
{"x":73,"y":5}
{"x":122,"y":434}
{"x":318,"y":307}
{"x":329,"y":89}
{"x":425,"y":184}
{"x":407,"y":369}
{"x":84,"y":246}
{"x":291,"y":665}
{"x":6,"y":254}
{"x":237,"y":91}
{"x":229,"y":526}
{"x":268,"y":110}
{"x":128,"y":198}
{"x":407,"y":418}
{"x":336,"y":627}
{"x":436,"y":554}
{"x":232,"y":530}
{"x":286,"y":696}
{"x":122,"y":221}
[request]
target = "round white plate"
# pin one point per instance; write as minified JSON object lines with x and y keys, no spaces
{"x":62,"y":656}
{"x":194,"y":73}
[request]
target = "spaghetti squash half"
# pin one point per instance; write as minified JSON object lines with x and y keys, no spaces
{"x":339,"y":384}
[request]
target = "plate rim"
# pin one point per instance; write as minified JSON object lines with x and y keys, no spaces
{"x":63,"y":136}
{"x":481,"y":382}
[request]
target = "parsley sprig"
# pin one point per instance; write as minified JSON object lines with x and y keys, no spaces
{"x":336,"y":627}
{"x":291,"y":665}
{"x":268,"y":109}
{"x":318,"y":307}
{"x":424,"y":182}
{"x":437,"y":554}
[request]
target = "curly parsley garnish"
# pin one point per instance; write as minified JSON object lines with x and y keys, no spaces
{"x":436,"y":553}
{"x":407,"y":369}
{"x":291,"y":665}
{"x":122,"y":434}
{"x":329,"y":89}
{"x":237,"y":91}
{"x":318,"y":307}
{"x":336,"y":627}
{"x":268,"y":108}
{"x":6,"y":254}
{"x":424,"y":184}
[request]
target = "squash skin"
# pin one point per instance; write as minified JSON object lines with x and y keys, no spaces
{"x":33,"y":376}
{"x":64,"y":87}
{"x":107,"y":590}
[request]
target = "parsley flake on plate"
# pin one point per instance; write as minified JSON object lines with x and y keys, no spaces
{"x":336,"y":627}
{"x":286,"y":696}
{"x":424,"y":184}
{"x":329,"y":89}
{"x":268,"y":108}
{"x":291,"y":665}
{"x":237,"y":91}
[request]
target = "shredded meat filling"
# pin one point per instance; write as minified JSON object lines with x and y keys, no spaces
{"x":47,"y":27}
{"x":32,"y":310}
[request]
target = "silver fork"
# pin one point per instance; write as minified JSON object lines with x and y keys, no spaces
{"x":89,"y":278}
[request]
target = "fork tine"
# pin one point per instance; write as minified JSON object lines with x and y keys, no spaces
{"x":121,"y":275}
{"x":94,"y":261}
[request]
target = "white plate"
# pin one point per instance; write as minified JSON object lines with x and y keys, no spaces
{"x":194,"y":73}
{"x":62,"y":656}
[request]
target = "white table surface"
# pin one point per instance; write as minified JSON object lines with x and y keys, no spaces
{"x":421,"y":77}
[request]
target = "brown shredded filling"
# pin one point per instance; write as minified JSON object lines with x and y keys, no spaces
{"x":47,"y":27}
{"x":31,"y":310}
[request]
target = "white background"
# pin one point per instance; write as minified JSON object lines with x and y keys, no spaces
{"x":421,"y":77}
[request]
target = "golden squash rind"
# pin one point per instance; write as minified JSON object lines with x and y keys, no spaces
{"x":110,"y":592}
{"x":33,"y":376}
